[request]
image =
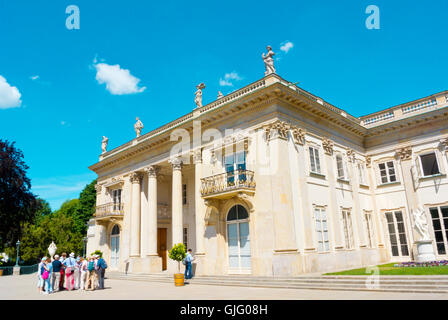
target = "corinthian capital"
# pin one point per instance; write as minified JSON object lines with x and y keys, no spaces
{"x":98,"y":188}
{"x":176,"y":162}
{"x":404,"y":153}
{"x":197,"y":156}
{"x":136,"y":177}
{"x":299,"y":135}
{"x":328,"y":145}
{"x":277,"y":129}
{"x":444,"y":144}
{"x":152,"y":171}
{"x":351,"y":155}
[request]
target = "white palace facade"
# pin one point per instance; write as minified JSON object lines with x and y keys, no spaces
{"x":271,"y":180}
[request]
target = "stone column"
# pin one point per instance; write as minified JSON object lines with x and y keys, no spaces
{"x":177,"y":221}
{"x":200,"y":209}
{"x":152,"y":261}
{"x":333,"y":210}
{"x":136,"y":179}
{"x":357,"y":212}
{"x":286,"y":259}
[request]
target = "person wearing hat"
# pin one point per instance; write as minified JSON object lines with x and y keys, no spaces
{"x":56,"y":274}
{"x":69,"y":271}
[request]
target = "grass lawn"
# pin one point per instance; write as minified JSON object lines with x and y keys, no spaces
{"x":390,"y":270}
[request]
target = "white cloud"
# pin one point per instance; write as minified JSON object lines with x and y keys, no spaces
{"x":227,"y":77}
{"x":9,"y":95}
{"x":287,"y":46}
{"x":34,"y":77}
{"x":63,"y":123}
{"x":118,"y":81}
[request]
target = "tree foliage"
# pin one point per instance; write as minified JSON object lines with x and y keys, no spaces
{"x":17,"y":203}
{"x":86,"y":207}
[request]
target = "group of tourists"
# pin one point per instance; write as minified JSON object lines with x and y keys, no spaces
{"x":68,"y":273}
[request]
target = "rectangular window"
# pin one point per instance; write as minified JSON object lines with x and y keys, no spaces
{"x":322,"y":230}
{"x":429,"y":164}
{"x":340,"y":166}
{"x":314,"y":160}
{"x":235,"y":165}
{"x":387,"y":172}
{"x":348,"y":229}
{"x":397,"y":234}
{"x":186,"y":238}
{"x":184,"y":194}
{"x":369,"y":228}
{"x":439,"y":216}
{"x":116,"y":198}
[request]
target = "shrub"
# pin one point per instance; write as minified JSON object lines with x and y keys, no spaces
{"x":177,"y":253}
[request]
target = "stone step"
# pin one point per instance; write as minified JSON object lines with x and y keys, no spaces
{"x":400,"y":286}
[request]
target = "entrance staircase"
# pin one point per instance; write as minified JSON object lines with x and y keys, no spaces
{"x":410,"y":284}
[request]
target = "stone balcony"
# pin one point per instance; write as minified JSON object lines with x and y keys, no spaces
{"x":227,"y":185}
{"x":109,"y":210}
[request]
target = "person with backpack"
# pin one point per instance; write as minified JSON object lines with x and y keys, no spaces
{"x":101,"y":266}
{"x":46,"y":269}
{"x":91,"y":274}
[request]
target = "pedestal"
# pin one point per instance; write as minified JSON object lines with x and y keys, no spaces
{"x":16,"y":271}
{"x":425,"y":251}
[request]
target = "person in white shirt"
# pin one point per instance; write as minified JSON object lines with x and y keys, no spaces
{"x":83,"y":271}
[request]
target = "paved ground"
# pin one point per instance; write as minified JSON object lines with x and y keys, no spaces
{"x":24,"y":288}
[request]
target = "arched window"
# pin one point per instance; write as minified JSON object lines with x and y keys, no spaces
{"x":238,"y":239}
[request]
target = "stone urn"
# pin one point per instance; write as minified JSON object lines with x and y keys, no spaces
{"x":52,"y":249}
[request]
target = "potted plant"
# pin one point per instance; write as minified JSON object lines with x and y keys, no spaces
{"x":177,"y":253}
{"x":98,"y":252}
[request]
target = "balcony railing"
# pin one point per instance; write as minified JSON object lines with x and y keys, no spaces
{"x":227,"y":182}
{"x":109,"y":209}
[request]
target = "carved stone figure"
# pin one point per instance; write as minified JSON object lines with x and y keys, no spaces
{"x":269,"y":61}
{"x":198,"y":95}
{"x":104,"y":144}
{"x":420,"y":223}
{"x":52,"y":249}
{"x":220,"y":95}
{"x":138,"y":127}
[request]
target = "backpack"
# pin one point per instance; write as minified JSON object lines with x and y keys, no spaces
{"x":91,"y":266}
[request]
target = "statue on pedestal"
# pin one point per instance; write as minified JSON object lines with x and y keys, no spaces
{"x":269,"y":61}
{"x":138,"y":127}
{"x":104,"y":144}
{"x":220,"y":95}
{"x":198,"y":95}
{"x":420,"y":223}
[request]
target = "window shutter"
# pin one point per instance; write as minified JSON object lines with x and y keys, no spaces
{"x":397,"y":171}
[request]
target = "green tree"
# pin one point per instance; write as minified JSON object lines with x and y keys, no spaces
{"x":43,"y":209}
{"x":17,"y":202}
{"x":86,"y":208}
{"x":58,"y":227}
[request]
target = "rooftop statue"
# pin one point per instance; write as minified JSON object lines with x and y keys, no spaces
{"x":104,"y":144}
{"x":138,"y":127}
{"x":198,"y":95}
{"x":220,"y":95}
{"x":269,"y":61}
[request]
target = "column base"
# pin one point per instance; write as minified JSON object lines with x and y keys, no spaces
{"x":286,"y":263}
{"x":198,"y":265}
{"x":146,"y":265}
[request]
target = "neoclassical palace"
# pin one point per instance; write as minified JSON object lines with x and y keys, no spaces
{"x":271,"y":180}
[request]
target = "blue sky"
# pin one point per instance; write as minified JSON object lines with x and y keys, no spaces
{"x":72,"y":93}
